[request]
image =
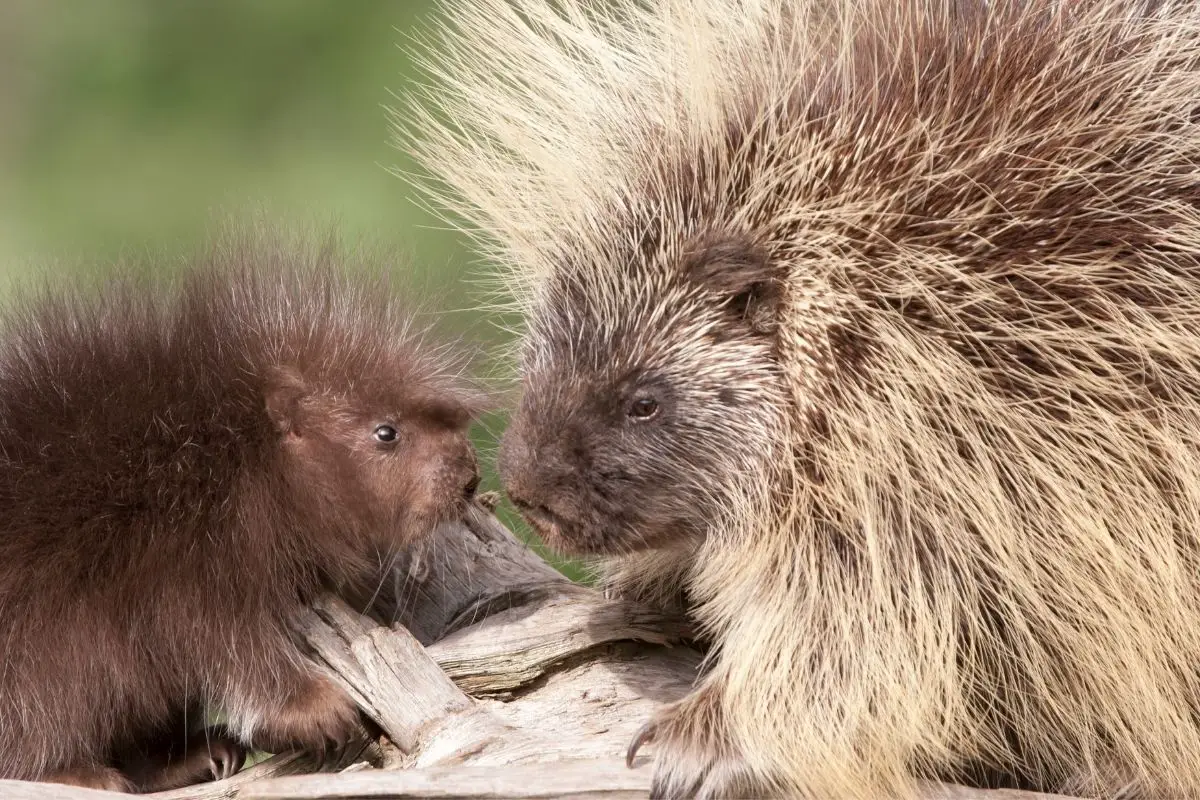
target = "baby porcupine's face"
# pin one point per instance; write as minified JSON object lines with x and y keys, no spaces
{"x":391,"y":460}
{"x":644,"y":399}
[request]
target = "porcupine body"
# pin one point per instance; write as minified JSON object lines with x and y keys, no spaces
{"x":874,"y":328}
{"x":183,"y":464}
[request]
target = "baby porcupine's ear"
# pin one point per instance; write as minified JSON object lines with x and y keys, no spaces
{"x":284,"y":389}
{"x":744,"y":275}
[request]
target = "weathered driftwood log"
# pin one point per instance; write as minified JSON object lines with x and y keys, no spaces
{"x":491,"y":676}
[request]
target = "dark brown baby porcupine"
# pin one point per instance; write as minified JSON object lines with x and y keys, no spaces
{"x":873,"y":328}
{"x":182,"y":464}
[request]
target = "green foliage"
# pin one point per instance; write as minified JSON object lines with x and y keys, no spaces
{"x":129,"y":126}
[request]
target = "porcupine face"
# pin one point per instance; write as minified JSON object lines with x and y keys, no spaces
{"x":393,"y":456}
{"x":644,"y":399}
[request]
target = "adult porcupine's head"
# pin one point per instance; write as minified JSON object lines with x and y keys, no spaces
{"x":639,"y":254}
{"x":639,"y":408}
{"x":715,"y":215}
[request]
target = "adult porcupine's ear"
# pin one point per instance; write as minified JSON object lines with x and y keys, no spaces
{"x":285,"y":388}
{"x":744,"y":276}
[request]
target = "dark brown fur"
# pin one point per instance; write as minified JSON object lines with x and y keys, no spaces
{"x":180,"y":468}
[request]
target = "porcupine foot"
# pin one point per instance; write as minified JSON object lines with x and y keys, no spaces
{"x":693,"y":756}
{"x":211,"y":754}
{"x":216,"y":756}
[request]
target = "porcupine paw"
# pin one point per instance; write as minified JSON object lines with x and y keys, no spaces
{"x":214,"y":759}
{"x":224,"y":755}
{"x":692,"y":757}
{"x":212,"y":754}
{"x":319,"y":719}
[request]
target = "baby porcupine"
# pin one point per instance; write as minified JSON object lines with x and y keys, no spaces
{"x":873,"y":328}
{"x":182,"y":464}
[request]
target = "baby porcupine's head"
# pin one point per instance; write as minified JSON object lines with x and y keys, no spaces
{"x":387,"y":452}
{"x":365,"y":416}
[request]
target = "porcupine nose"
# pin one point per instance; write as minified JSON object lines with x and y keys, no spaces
{"x":515,"y":464}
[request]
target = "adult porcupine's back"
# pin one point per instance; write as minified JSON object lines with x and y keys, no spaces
{"x":886,"y":315}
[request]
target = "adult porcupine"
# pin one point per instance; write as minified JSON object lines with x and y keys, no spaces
{"x":874,"y":325}
{"x":181,"y":466}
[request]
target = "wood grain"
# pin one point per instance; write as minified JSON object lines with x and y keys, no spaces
{"x":490,"y":677}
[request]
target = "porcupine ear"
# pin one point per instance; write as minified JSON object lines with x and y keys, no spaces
{"x":744,"y":276}
{"x":284,"y":390}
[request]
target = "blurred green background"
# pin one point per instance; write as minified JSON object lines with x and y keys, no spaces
{"x":130,"y":126}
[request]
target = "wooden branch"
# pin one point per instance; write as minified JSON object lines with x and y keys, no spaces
{"x":490,"y":677}
{"x":274,"y":767}
{"x":543,"y":629}
{"x":607,"y":779}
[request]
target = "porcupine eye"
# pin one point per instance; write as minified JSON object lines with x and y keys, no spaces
{"x":385,"y":434}
{"x":643,"y":408}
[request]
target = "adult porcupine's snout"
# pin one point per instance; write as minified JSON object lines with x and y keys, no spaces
{"x":536,"y":475}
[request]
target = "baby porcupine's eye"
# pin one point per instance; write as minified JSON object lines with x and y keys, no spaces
{"x":385,"y":433}
{"x":643,"y":408}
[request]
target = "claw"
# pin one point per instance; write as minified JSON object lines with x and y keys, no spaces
{"x":329,"y":756}
{"x":234,"y":765}
{"x":225,"y":764}
{"x":644,"y":734}
{"x":338,"y":752}
{"x":226,"y":755}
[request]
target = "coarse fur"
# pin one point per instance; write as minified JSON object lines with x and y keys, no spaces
{"x":183,"y":463}
{"x":873,"y":328}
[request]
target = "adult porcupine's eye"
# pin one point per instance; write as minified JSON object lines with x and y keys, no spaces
{"x":643,"y":408}
{"x":385,"y":433}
